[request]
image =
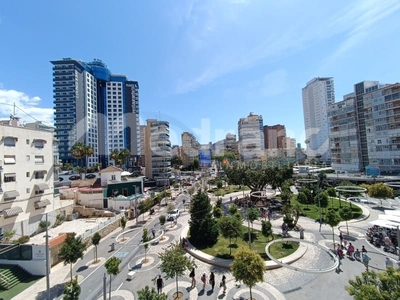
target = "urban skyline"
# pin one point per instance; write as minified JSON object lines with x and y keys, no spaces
{"x":232,"y":67}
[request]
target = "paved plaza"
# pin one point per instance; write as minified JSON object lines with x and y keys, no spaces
{"x":280,"y":283}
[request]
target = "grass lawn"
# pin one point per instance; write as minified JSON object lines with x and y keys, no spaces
{"x":311,"y":211}
{"x":227,"y":190}
{"x":8,"y":294}
{"x":222,"y":247}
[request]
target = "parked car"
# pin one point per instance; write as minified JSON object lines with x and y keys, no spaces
{"x":90,"y":176}
{"x":173,"y":215}
{"x":74,"y":177}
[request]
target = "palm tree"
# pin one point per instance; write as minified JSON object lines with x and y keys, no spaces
{"x":88,"y":151}
{"x":78,"y":151}
{"x":120,"y":156}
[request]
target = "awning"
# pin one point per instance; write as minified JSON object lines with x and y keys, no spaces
{"x":10,"y":195}
{"x":12,"y":211}
{"x":42,"y":203}
{"x":9,"y":175}
{"x":9,"y":160}
{"x":42,"y":186}
{"x":384,"y":223}
{"x":40,"y":171}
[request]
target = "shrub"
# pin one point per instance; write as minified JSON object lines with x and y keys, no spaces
{"x":44,"y":224}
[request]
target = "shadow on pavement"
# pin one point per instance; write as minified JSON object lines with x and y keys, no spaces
{"x":55,"y":292}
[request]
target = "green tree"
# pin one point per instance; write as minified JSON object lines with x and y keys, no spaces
{"x":333,"y":220}
{"x":259,"y":175}
{"x":196,"y":163}
{"x":145,"y":239}
{"x":176,"y":161}
{"x":217,"y":212}
{"x":230,"y":228}
{"x":119,"y":156}
{"x":162,"y":219}
{"x":8,"y":235}
{"x":302,"y":198}
{"x":203,"y":228}
{"x":72,"y":290}
{"x":71,"y":250}
{"x":112,"y":267}
{"x":331,"y":192}
{"x":248,"y":267}
{"x":233,"y":209}
{"x":122,"y":222}
{"x":150,"y":294}
{"x":380,"y":191}
{"x":322,"y":200}
{"x":78,"y":152}
{"x":266,"y":229}
{"x":253,"y":214}
{"x":375,"y":286}
{"x":95,"y":241}
{"x":174,"y":262}
{"x":346,"y":214}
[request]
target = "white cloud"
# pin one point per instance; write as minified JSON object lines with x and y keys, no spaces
{"x":26,"y":107}
{"x":225,"y":37}
{"x":363,"y":19}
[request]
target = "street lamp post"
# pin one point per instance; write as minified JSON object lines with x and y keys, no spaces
{"x":47,"y":259}
{"x":247,"y":213}
{"x":398,"y":241}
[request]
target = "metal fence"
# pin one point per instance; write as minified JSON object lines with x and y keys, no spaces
{"x":100,"y":226}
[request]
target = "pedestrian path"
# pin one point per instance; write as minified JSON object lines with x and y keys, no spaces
{"x":279,"y":283}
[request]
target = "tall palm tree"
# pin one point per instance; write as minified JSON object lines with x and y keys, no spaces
{"x":88,"y":151}
{"x":120,"y":156}
{"x":78,"y":151}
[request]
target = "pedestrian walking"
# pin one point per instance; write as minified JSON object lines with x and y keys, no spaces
{"x":212,"y":280}
{"x":341,"y":238}
{"x":357,"y":255}
{"x":193,"y":276}
{"x":204,"y":280}
{"x":365,"y":260}
{"x":160,"y":284}
{"x":350,"y":250}
{"x":338,"y":269}
{"x":388,"y":262}
{"x":363,"y":250}
{"x":153,"y":232}
{"x":223,"y":283}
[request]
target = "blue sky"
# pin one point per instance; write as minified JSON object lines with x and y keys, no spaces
{"x":201,"y":65}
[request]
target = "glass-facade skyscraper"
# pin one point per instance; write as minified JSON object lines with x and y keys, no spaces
{"x":97,"y":108}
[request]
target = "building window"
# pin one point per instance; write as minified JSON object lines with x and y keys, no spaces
{"x":28,"y":141}
{"x":28,"y":174}
{"x":39,"y":144}
{"x":9,"y":177}
{"x":39,"y":159}
{"x":28,"y":190}
{"x":28,"y":158}
{"x":10,"y":141}
{"x":125,"y":192}
{"x":39,"y":174}
{"x":112,"y":177}
{"x":9,"y":159}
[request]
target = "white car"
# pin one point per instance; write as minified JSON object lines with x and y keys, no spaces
{"x":173,"y":215}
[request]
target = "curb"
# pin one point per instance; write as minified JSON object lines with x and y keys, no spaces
{"x":225,"y":263}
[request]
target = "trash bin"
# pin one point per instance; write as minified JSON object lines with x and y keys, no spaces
{"x":302,"y":234}
{"x":112,"y":246}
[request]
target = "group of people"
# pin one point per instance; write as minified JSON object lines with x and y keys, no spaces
{"x":211,"y":280}
{"x":351,"y":252}
{"x":383,"y":237}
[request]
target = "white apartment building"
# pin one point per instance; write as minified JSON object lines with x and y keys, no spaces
{"x":251,"y":138}
{"x":344,"y":141}
{"x":318,"y":94}
{"x":158,"y":152}
{"x":378,"y":108}
{"x":26,"y":176}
